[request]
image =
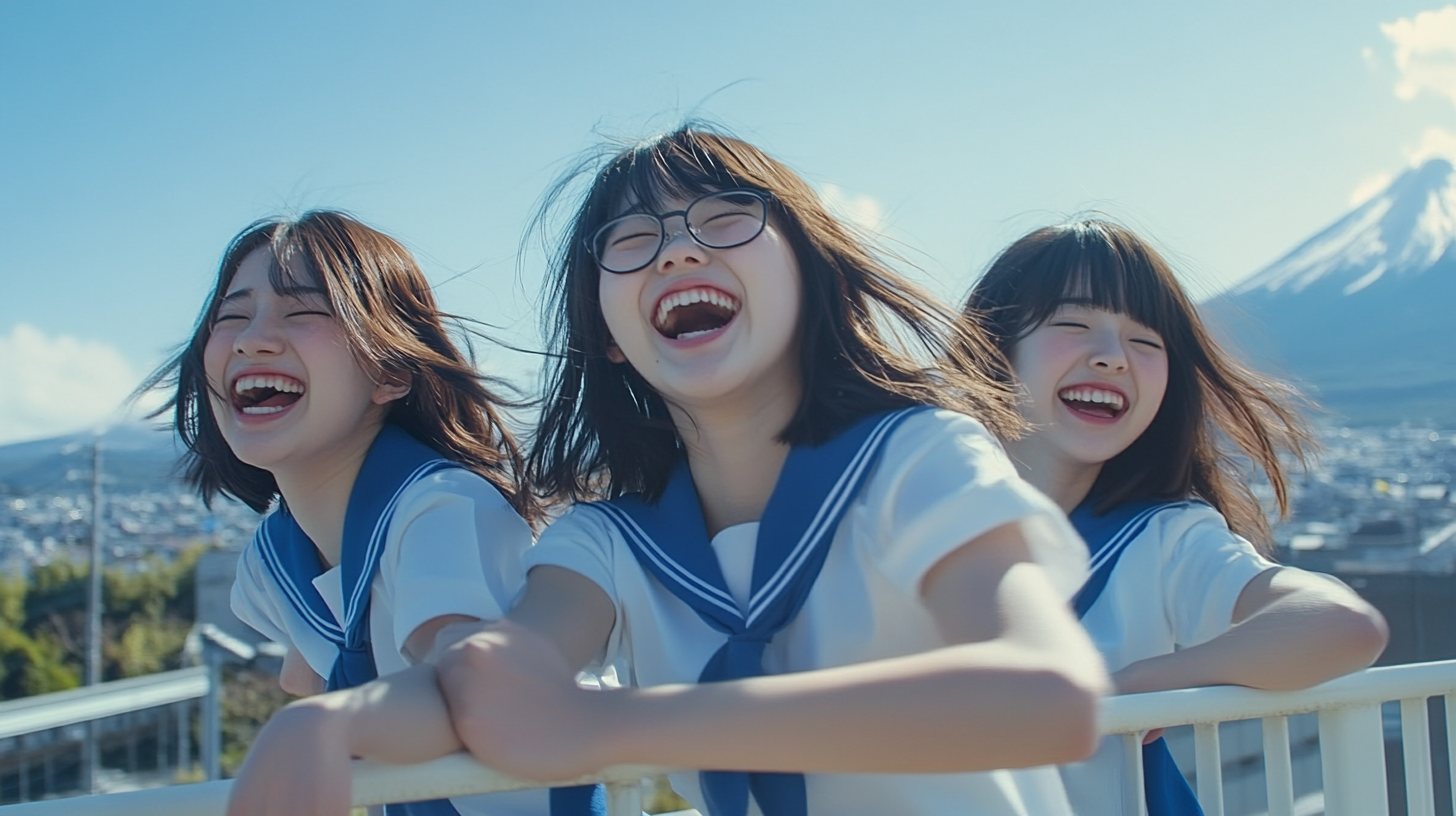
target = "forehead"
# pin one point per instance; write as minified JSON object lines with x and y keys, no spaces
{"x":1085,"y":306}
{"x":261,"y":271}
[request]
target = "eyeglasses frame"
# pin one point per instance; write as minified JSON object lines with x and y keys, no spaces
{"x":664,"y":237}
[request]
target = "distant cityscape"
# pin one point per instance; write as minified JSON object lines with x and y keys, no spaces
{"x":41,"y":527}
{"x":1375,"y":500}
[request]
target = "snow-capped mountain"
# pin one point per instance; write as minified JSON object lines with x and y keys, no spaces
{"x":1364,"y":313}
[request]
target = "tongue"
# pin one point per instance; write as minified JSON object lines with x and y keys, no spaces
{"x":278,"y":399}
{"x":1100,"y":409}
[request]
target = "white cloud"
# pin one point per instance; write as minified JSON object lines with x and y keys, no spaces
{"x":1425,"y":53}
{"x":862,"y":210}
{"x":1435,"y":142}
{"x":55,"y":385}
{"x":1368,"y":188}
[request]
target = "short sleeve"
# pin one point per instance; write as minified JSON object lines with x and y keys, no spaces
{"x":582,"y":540}
{"x":1206,"y":570}
{"x":454,"y":548}
{"x":250,"y":601}
{"x":943,"y":481}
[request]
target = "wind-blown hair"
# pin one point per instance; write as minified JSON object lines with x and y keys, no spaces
{"x":868,"y":339}
{"x":395,"y":331}
{"x":1211,"y":400}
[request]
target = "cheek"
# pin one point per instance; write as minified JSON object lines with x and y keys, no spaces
{"x":1039,"y":359}
{"x":1157,"y":379}
{"x":618,"y":302}
{"x":215,"y":356}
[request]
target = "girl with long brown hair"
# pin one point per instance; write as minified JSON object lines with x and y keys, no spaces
{"x":822,"y":580}
{"x":321,"y":381}
{"x":1136,"y":416}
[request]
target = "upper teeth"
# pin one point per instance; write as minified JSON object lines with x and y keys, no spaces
{"x":690,"y":296}
{"x":268,"y":381}
{"x":1093,"y":395}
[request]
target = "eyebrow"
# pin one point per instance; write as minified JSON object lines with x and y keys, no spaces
{"x":293,"y":292}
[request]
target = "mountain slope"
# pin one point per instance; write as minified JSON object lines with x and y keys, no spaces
{"x":134,"y":457}
{"x":1362,"y":313}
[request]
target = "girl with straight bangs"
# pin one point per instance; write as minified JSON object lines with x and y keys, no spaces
{"x":822,"y":581}
{"x":321,"y":375}
{"x":1136,"y":415}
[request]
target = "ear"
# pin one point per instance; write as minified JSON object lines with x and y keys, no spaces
{"x":614,"y":352}
{"x":394,"y":387}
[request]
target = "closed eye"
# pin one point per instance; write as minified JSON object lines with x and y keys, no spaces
{"x":310,"y":312}
{"x":1149,"y":343}
{"x":222,"y":317}
{"x":1069,"y":324}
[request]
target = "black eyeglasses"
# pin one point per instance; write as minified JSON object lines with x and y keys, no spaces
{"x":720,"y":220}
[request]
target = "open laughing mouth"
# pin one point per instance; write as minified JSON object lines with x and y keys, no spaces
{"x":694,"y":313}
{"x":1088,"y":401}
{"x":257,"y":395}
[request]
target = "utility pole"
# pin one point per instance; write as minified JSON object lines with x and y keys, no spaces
{"x":93,"y":616}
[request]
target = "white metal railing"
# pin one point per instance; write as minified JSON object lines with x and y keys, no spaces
{"x":1352,"y":746}
{"x":1352,"y":740}
{"x":62,"y":708}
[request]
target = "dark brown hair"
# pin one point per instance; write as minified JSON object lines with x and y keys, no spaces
{"x":384,"y":304}
{"x":1211,"y":397}
{"x":868,"y":339}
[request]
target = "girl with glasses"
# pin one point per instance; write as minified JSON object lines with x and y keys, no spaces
{"x":801,"y":546}
{"x":1136,"y":416}
{"x":321,"y":381}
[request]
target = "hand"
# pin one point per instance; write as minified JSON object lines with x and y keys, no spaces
{"x":299,"y":764}
{"x":515,"y":704}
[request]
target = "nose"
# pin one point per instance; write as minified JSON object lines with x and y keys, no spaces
{"x":679,"y":248}
{"x":260,"y":337}
{"x":1108,"y":354}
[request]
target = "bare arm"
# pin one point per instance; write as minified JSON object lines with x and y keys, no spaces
{"x":1018,"y":686}
{"x":297,"y":677}
{"x":1292,"y":629}
{"x":299,"y":764}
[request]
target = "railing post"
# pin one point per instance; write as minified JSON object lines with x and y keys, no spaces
{"x":1415,"y":740}
{"x":1209,"y":762}
{"x":1352,"y":757}
{"x":212,"y":717}
{"x":1132,"y":752}
{"x":184,"y":737}
{"x":91,"y":757}
{"x":1278,"y":766}
{"x":624,"y":798}
{"x":1450,"y":700}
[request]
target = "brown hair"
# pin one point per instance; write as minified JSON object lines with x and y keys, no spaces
{"x":384,"y":304}
{"x":1211,"y":397}
{"x":868,"y":338}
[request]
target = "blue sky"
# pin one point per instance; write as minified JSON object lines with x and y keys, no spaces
{"x":136,"y":138}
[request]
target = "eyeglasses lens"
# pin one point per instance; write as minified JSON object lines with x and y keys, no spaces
{"x":628,"y":243}
{"x":726,"y":219}
{"x":718,"y":221}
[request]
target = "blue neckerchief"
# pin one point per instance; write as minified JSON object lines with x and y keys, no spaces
{"x":670,"y":539}
{"x":1108,"y":536}
{"x":395,"y":461}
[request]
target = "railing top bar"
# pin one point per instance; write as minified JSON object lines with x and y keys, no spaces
{"x":114,"y":687}
{"x":63,"y":708}
{"x":1139,"y":712}
{"x":459,"y":774}
{"x":374,"y":784}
